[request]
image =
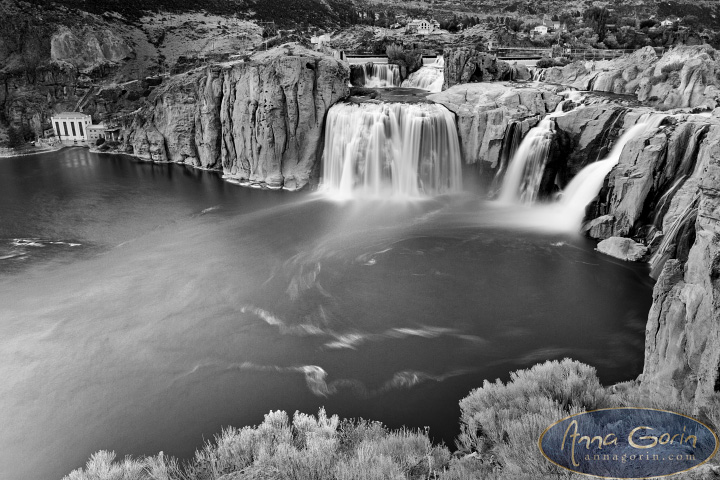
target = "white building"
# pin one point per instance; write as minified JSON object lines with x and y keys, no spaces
{"x":71,"y":127}
{"x":667,"y":23}
{"x":421,"y":27}
{"x":95,"y":132}
{"x":540,"y":30}
{"x":320,"y":40}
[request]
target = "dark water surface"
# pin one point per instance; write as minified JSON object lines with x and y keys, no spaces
{"x":143,"y":306}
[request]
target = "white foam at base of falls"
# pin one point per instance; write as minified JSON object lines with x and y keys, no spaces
{"x":390,"y":149}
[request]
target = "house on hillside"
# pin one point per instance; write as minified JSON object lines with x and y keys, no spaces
{"x":420,"y":27}
{"x":668,"y":22}
{"x":540,"y":30}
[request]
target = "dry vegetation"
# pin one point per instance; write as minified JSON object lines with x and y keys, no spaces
{"x":500,"y":425}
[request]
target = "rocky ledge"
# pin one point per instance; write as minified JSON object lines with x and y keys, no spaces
{"x":485,"y":111}
{"x":259,"y":120}
{"x":686,"y":76}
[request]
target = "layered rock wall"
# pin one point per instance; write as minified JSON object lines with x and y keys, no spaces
{"x":686,"y":76}
{"x":467,"y":65}
{"x":260,"y":121}
{"x":484,"y":110}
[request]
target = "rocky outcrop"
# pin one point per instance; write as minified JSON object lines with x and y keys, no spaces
{"x":88,"y":48}
{"x":260,"y":121}
{"x":485,"y":110}
{"x":468,"y":65}
{"x":622,"y":248}
{"x":682,"y":353}
{"x":686,"y":76}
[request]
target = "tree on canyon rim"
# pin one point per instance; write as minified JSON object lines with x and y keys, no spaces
{"x":597,"y":18}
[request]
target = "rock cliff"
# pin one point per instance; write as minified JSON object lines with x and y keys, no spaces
{"x":665,"y":194}
{"x":682,"y":353}
{"x":686,"y":76}
{"x":485,"y":111}
{"x":261,"y":120}
{"x":466,"y":65}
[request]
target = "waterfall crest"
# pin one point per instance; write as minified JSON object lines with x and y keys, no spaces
{"x":390,"y":149}
{"x":429,"y":77}
{"x":381,"y":75}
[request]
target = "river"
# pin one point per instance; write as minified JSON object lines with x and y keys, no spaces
{"x":144,"y":306}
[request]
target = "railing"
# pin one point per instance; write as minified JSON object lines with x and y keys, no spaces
{"x":577,"y":53}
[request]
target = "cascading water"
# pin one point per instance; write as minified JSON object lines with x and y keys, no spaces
{"x":522,"y":180}
{"x":381,"y":75}
{"x":586,"y":185}
{"x":511,"y":143}
{"x":429,"y":77}
{"x":390,"y":148}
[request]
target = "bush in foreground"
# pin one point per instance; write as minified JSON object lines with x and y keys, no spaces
{"x":500,"y":426}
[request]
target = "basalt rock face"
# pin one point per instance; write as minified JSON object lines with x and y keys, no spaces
{"x":467,"y":65}
{"x":88,"y":48}
{"x":665,"y":194}
{"x":484,"y":111}
{"x":260,"y":121}
{"x":686,"y":76}
{"x":682,"y":351}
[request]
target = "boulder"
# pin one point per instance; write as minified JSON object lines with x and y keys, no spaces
{"x":622,"y":248}
{"x":600,"y":228}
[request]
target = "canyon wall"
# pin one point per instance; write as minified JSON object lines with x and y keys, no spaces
{"x":664,"y":193}
{"x":685,"y":76}
{"x":260,"y":121}
{"x":466,"y":65}
{"x":484,"y":111}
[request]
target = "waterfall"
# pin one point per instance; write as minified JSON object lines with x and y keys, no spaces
{"x":511,"y":143}
{"x":586,"y":185}
{"x":524,"y":174}
{"x":429,"y":77}
{"x":390,"y":148}
{"x":381,"y":75}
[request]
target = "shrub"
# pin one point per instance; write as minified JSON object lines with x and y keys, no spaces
{"x":102,"y":466}
{"x":507,"y":420}
{"x":411,"y":60}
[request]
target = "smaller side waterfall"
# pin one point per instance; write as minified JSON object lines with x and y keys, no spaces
{"x":381,"y":75}
{"x":429,"y":77}
{"x":524,"y":174}
{"x":390,"y":148}
{"x":586,"y":185}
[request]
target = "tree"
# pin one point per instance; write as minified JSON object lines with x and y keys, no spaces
{"x":15,"y":139}
{"x":597,"y":18}
{"x":647,"y":23}
{"x":691,"y":21}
